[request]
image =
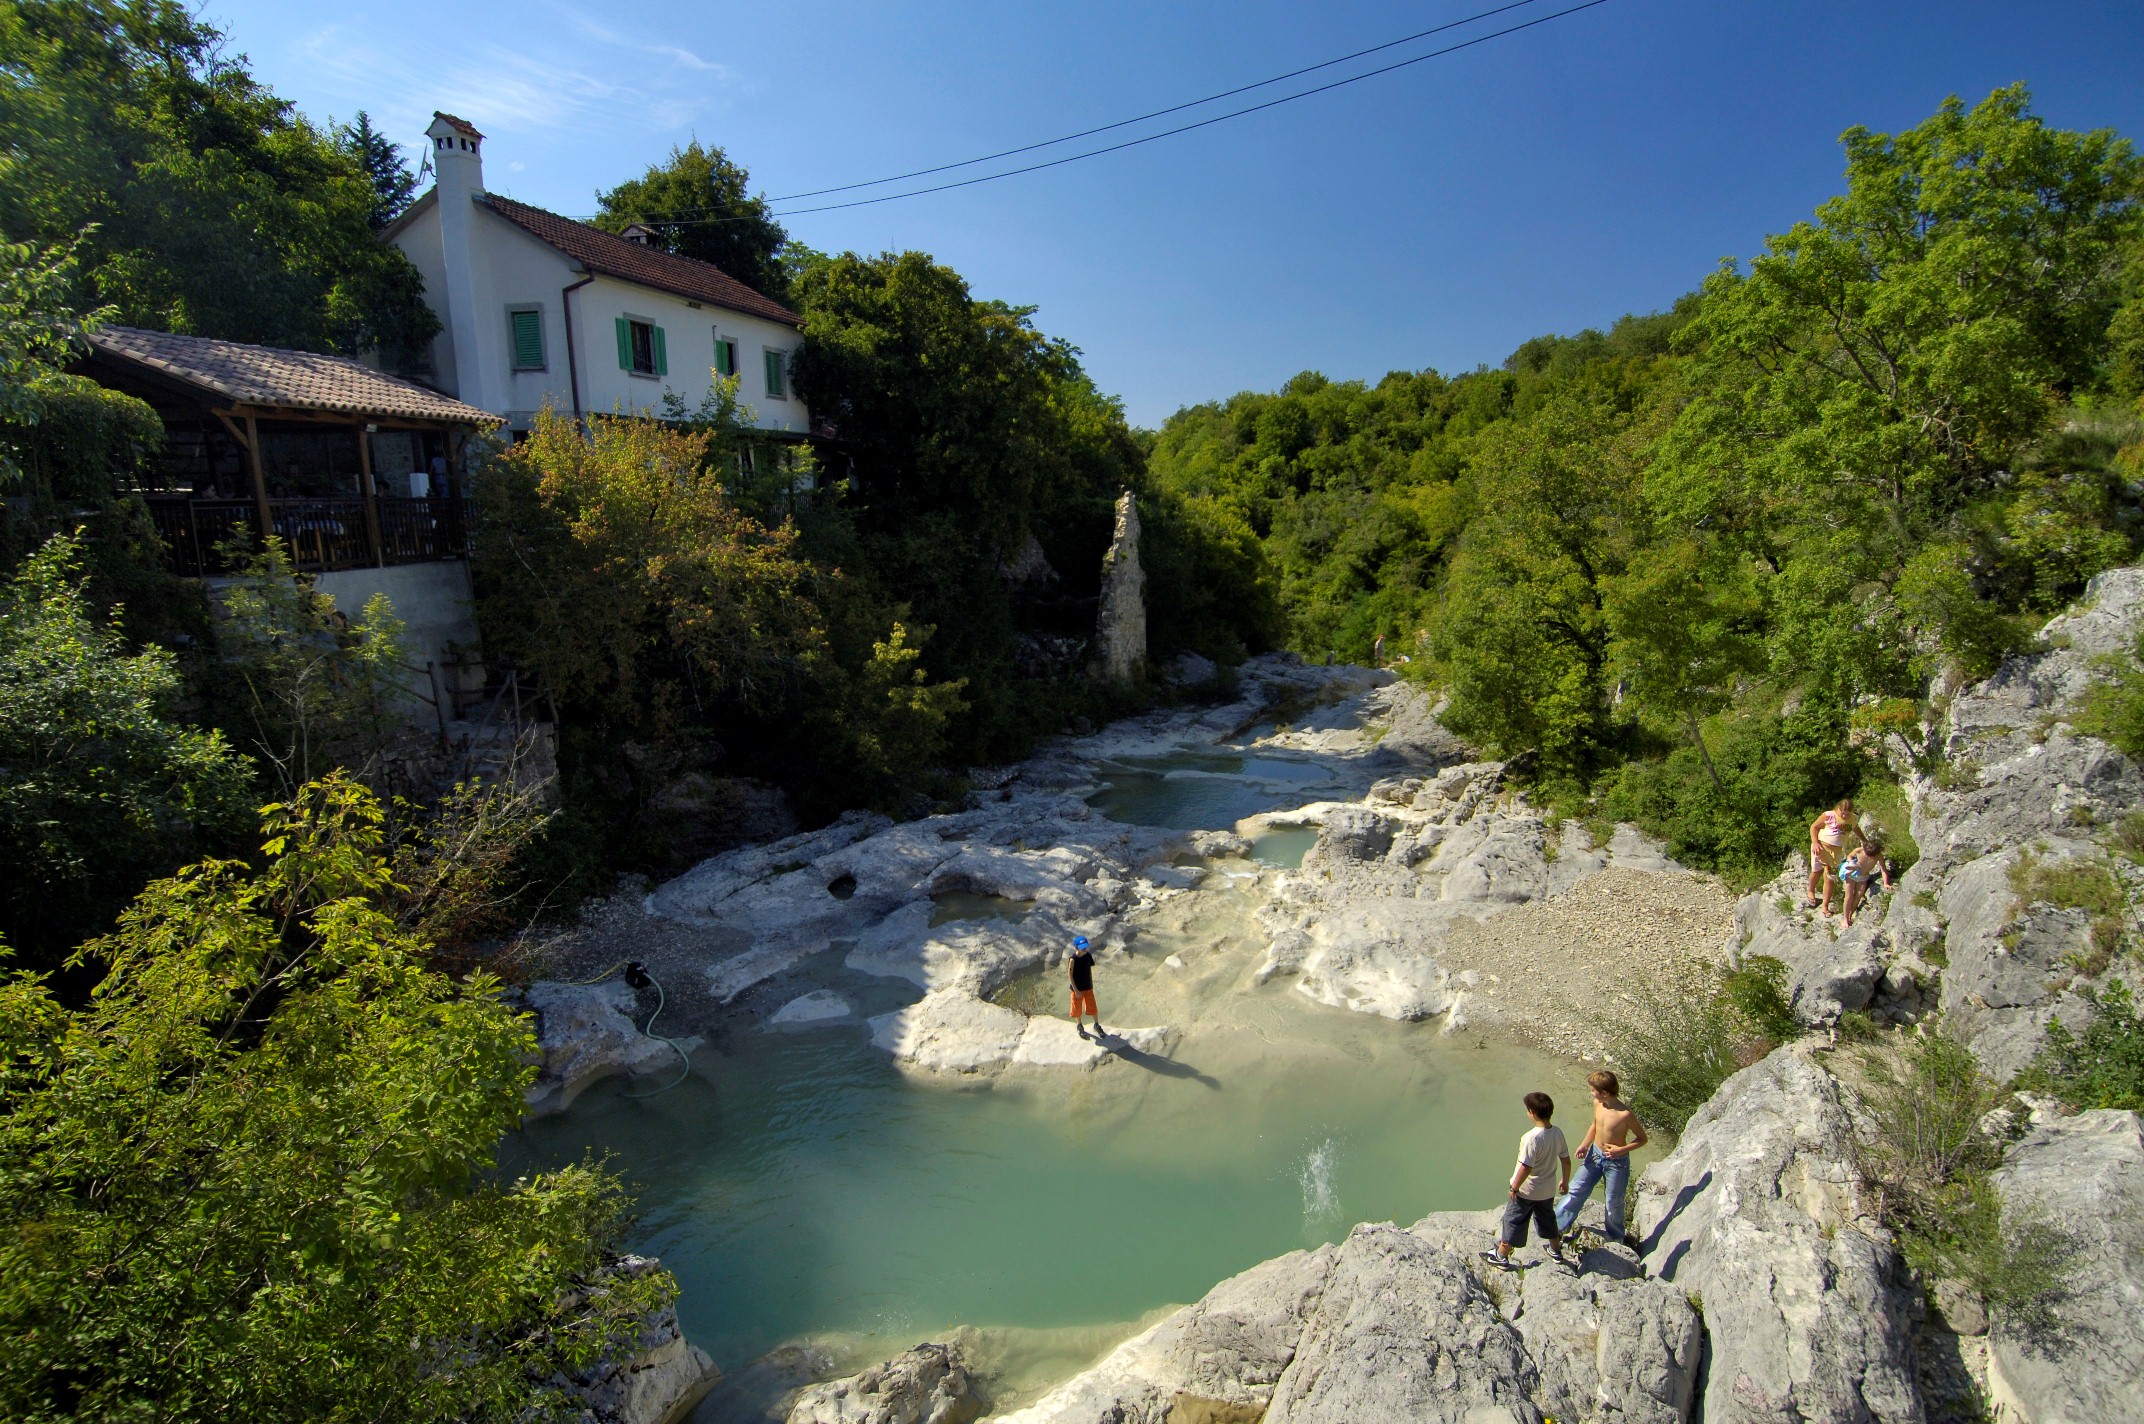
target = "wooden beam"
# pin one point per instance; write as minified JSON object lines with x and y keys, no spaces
{"x":372,"y":497}
{"x":252,"y":441}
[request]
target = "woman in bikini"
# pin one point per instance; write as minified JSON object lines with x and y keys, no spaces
{"x":1827,"y":847}
{"x":1858,"y":870}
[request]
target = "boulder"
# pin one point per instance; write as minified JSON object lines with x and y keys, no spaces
{"x":1831,"y":970}
{"x":2085,"y":1175}
{"x":1404,"y":1330}
{"x":927,"y":1385}
{"x":587,"y":1032}
{"x":662,"y":1378}
{"x":1228,"y":1351}
{"x":950,"y":1031}
{"x":1806,"y":1307}
{"x":819,"y":1006}
{"x":1610,"y":1345}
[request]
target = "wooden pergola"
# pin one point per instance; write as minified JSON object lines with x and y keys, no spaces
{"x":225,"y":399}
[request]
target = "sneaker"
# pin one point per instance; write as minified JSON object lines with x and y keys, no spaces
{"x":1080,"y":1029}
{"x":1502,"y":1263}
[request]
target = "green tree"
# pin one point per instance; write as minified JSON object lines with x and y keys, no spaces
{"x":252,"y":1178}
{"x":211,"y":207}
{"x":699,"y":204}
{"x":380,"y":158}
{"x":101,"y":786}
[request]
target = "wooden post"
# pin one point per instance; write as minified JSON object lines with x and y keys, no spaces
{"x":260,"y":481}
{"x":372,"y":498}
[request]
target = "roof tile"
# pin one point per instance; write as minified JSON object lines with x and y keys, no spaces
{"x":268,"y":375}
{"x":613,"y":256}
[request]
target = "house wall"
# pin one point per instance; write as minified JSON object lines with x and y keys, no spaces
{"x":434,"y":601}
{"x":513,"y":269}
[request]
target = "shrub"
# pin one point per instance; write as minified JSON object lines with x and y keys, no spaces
{"x":1757,"y":989}
{"x":2114,"y":710}
{"x":1883,"y":808}
{"x":2100,"y":1067}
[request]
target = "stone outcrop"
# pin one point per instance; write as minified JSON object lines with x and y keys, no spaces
{"x":1398,"y":1324}
{"x":2017,"y":779}
{"x":586,"y":1032}
{"x":1120,"y":631}
{"x":659,"y":1382}
{"x":926,"y":1385}
{"x":1756,"y":1213}
{"x":2084,"y":1176}
{"x":1361,"y":925}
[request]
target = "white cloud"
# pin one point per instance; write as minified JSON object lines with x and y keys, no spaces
{"x":593,"y":79}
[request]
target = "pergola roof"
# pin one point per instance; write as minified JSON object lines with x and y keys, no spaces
{"x":270,"y":378}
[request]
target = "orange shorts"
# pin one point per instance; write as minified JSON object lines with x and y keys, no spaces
{"x":1083,"y":1003}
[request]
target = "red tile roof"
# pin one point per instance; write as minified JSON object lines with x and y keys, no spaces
{"x":468,"y":129}
{"x":613,"y":256}
{"x":270,"y":376}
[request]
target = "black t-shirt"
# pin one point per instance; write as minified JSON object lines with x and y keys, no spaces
{"x":1082,"y":970}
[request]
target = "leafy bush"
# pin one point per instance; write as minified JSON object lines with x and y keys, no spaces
{"x":252,"y":1178}
{"x":101,"y":786}
{"x":1927,"y":1163}
{"x":2114,"y":710}
{"x":1775,"y":773}
{"x":2101,"y":1067}
{"x":1757,"y":990}
{"x":1883,"y":806}
{"x":1677,"y":1043}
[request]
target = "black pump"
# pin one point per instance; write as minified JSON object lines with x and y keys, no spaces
{"x":636,"y":974}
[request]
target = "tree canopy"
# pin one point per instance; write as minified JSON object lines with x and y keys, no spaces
{"x":206,"y":203}
{"x":698,"y":203}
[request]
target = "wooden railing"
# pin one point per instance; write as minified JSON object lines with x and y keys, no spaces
{"x":321,"y":535}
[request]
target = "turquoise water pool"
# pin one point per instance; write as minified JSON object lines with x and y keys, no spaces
{"x":1207,"y":790}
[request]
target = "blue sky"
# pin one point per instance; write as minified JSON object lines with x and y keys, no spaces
{"x":1439,"y":216}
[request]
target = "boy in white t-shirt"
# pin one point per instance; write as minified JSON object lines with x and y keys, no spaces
{"x":1533,"y":1195}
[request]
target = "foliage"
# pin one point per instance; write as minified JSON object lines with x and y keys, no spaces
{"x":393,"y":185}
{"x":303,"y":689}
{"x":1675,"y":1043}
{"x":1883,"y":808}
{"x":698,"y":204}
{"x":613,"y":567}
{"x":251,"y":1179}
{"x":208,"y":205}
{"x":101,"y":786}
{"x":1926,"y":1161}
{"x":1757,"y":990}
{"x":1770,"y":776}
{"x":2114,"y":709}
{"x":2101,"y":1066}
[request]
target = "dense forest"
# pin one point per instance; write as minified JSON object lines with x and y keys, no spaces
{"x":1695,"y":564}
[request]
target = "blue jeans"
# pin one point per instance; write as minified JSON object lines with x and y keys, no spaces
{"x":1593,"y":1166}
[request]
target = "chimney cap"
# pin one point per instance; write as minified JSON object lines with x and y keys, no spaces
{"x":638,"y":232}
{"x":460,"y":126}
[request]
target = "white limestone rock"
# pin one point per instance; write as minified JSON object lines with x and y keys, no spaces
{"x":586,"y":1032}
{"x":950,"y":1031}
{"x":929,"y":1384}
{"x":663,"y":1377}
{"x":2086,"y":1175}
{"x":1806,"y":1308}
{"x":818,"y":1007}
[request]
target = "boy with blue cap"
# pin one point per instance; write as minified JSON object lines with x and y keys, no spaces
{"x":1082,"y":966}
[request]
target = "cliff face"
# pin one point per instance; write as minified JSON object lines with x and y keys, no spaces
{"x":1120,"y":634}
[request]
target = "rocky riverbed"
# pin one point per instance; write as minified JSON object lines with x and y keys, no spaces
{"x":1762,"y":1286}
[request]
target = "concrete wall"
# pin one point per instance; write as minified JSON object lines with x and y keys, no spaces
{"x":434,"y":600}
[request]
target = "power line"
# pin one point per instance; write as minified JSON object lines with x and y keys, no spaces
{"x":1200,"y":124}
{"x":1158,"y":113}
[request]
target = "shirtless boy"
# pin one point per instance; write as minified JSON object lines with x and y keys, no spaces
{"x":1604,"y":1152}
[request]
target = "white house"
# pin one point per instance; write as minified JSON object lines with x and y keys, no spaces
{"x":537,"y":308}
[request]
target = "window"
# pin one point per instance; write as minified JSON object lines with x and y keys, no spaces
{"x":640,"y":347}
{"x":725,"y":356}
{"x":526,"y":325}
{"x":777,"y":374}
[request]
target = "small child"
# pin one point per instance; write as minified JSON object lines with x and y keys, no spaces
{"x":1531,"y":1197}
{"x":1081,"y":965}
{"x":1858,"y":869}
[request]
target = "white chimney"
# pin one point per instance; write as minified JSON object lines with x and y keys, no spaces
{"x":458,"y":160}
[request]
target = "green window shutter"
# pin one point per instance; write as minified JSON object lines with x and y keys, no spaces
{"x":775,"y":374}
{"x":528,"y":341}
{"x":725,"y":357}
{"x":625,"y":344}
{"x":662,"y":359}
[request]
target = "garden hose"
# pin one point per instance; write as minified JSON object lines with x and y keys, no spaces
{"x":637,"y":975}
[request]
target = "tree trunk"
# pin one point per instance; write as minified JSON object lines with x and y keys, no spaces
{"x":1697,"y":735}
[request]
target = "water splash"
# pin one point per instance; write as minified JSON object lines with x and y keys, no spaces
{"x":1321,"y":1202}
